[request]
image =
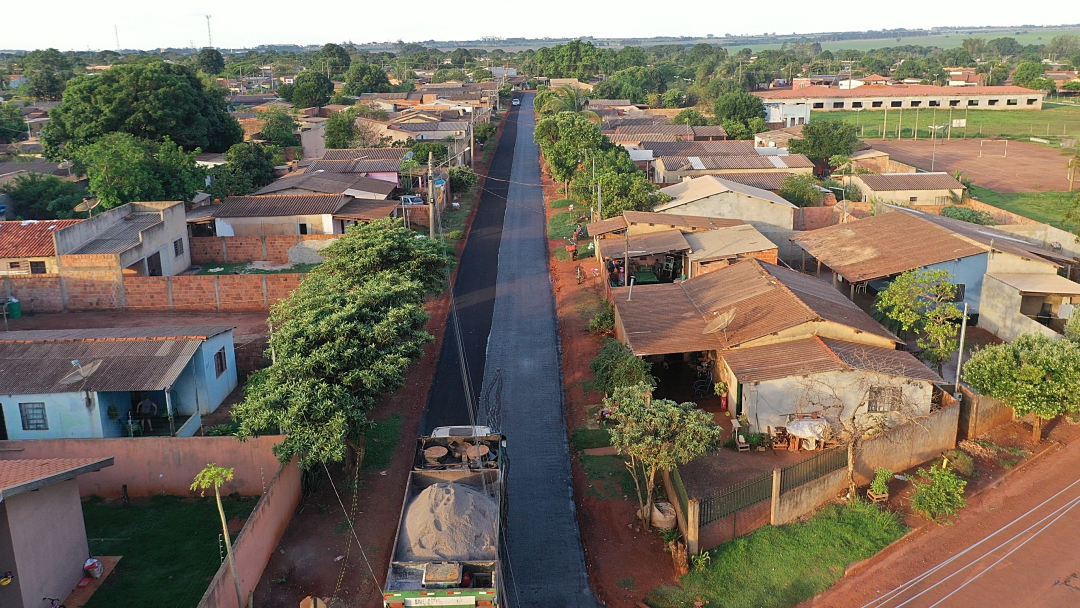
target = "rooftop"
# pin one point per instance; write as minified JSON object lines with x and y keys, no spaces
{"x":726,"y":242}
{"x":1038,"y":284}
{"x":814,"y":355}
{"x":122,"y":235}
{"x":329,"y":183}
{"x":754,"y":161}
{"x":674,"y":220}
{"x":365,"y":153}
{"x":271,"y":205}
{"x":366,"y":209}
{"x":765,"y":181}
{"x":705,"y":186}
{"x":18,"y":476}
{"x":30,"y":238}
{"x":910,"y":181}
{"x":699,"y":148}
{"x":355,"y":166}
{"x":648,"y":243}
{"x":895,"y":90}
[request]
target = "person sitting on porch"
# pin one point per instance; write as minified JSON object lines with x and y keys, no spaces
{"x":145,"y":410}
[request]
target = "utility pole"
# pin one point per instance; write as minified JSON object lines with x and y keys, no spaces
{"x":209,"y":36}
{"x":431,"y":194}
{"x":117,"y":32}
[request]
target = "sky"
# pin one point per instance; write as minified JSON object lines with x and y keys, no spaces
{"x":142,"y":24}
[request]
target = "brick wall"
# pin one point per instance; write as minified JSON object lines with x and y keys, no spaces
{"x":35,"y":293}
{"x":91,"y":282}
{"x":238,"y":292}
{"x":233,"y":249}
{"x":147,"y":293}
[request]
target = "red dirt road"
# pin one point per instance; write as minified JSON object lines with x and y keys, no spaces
{"x":1015,"y":545}
{"x":1027,"y":168}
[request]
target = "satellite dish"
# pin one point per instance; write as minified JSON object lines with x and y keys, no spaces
{"x":82,"y":372}
{"x":720,"y":323}
{"x":408,"y":155}
{"x":88,"y":204}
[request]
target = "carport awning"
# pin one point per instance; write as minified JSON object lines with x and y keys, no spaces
{"x":649,"y":243}
{"x":1038,"y":284}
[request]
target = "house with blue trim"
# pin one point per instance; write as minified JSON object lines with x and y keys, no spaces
{"x":113,"y":382}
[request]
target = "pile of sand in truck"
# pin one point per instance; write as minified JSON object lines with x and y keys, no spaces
{"x":451,"y":522}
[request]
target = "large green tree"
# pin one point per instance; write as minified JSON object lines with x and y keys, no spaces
{"x":279,"y":127}
{"x":47,"y":73}
{"x":35,"y":196}
{"x":11,"y":123}
{"x":333,"y":59}
{"x":564,"y":139}
{"x":210,"y":61}
{"x":340,"y":129}
{"x":655,"y":435}
{"x":924,"y":301}
{"x":1027,"y":73}
{"x":1034,"y":374}
{"x":248,"y":167}
{"x":365,"y":78}
{"x":123,"y":169}
{"x":345,"y":337}
{"x":151,"y":100}
{"x":311,"y":89}
{"x":824,"y":139}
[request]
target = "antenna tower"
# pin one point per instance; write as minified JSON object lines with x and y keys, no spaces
{"x":209,"y":36}
{"x":117,"y":32}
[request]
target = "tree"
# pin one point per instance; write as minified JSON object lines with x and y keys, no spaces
{"x":674,"y":98}
{"x":124,"y":169}
{"x":568,"y":99}
{"x":617,"y":366}
{"x":461,"y":179}
{"x":311,"y":89}
{"x":365,"y":78}
{"x":340,"y":129}
{"x":563,"y":140}
{"x":691,"y":117}
{"x":1063,"y":46}
{"x":657,"y":434}
{"x":252,"y":160}
{"x":214,"y":476}
{"x":11,"y":123}
{"x":740,"y":107}
{"x":278,"y":127}
{"x":801,"y":190}
{"x":210,"y":61}
{"x":152,"y":100}
{"x":1027,"y":73}
{"x":47,"y":73}
{"x":483,"y":132}
{"x":1034,"y":375}
{"x":460,"y":57}
{"x":345,"y":337}
{"x":823,"y":139}
{"x":923,"y":301}
{"x":968,"y":215}
{"x":36,"y":196}
{"x":421,"y":150}
{"x":333,"y":58}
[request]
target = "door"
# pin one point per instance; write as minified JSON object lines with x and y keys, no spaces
{"x":153,"y":265}
{"x":3,"y":427}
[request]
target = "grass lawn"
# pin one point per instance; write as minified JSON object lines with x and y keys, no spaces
{"x":382,"y":438}
{"x":170,"y":548}
{"x":944,"y":41}
{"x":561,"y":225}
{"x":245,"y":268}
{"x":1023,"y":124}
{"x":1048,"y":207}
{"x":562,"y":203}
{"x":583,"y":439}
{"x":782,"y":566}
{"x":453,"y":220}
{"x":608,"y":477}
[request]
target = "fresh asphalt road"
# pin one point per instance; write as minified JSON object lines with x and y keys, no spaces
{"x":506,"y":312}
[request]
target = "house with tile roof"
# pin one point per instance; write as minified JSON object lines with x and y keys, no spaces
{"x":908,"y":189}
{"x":285,"y":214}
{"x":773,"y":335}
{"x":27,"y":247}
{"x":81,"y":383}
{"x":43,"y":544}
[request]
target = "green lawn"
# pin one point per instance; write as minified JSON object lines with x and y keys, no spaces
{"x":561,"y":225}
{"x":245,"y":268}
{"x":382,"y":439}
{"x":170,"y":548}
{"x":608,"y":477}
{"x":945,"y":41}
{"x":1058,"y":120}
{"x":583,"y":439}
{"x":782,"y":566}
{"x":453,"y":220}
{"x":1048,"y":207}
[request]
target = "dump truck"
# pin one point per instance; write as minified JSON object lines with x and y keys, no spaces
{"x":447,"y":550}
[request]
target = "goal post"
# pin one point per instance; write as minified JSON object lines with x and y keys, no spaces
{"x":994,"y":146}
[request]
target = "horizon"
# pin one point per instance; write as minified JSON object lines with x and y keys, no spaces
{"x":80,"y":27}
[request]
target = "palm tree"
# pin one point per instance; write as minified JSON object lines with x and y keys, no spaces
{"x":570,"y":99}
{"x":214,"y":475}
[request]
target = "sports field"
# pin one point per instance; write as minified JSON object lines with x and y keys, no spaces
{"x":1053,"y":123}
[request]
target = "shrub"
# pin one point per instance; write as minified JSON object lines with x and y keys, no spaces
{"x":604,"y":321}
{"x":961,"y":462}
{"x":801,"y":191}
{"x":880,"y":485}
{"x":461,"y":179}
{"x":941,"y":496}
{"x":968,"y":215}
{"x":223,"y":430}
{"x":617,"y":365}
{"x":454,"y":235}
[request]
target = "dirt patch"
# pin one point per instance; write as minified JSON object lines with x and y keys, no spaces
{"x":1027,"y":167}
{"x":624,"y":562}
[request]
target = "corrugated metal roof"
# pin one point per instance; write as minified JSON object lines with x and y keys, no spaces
{"x":271,"y":205}
{"x":329,"y":183}
{"x":685,"y":130}
{"x":23,"y":475}
{"x":726,"y":242}
{"x":121,"y":236}
{"x":661,"y":241}
{"x":676,"y":220}
{"x":434,"y":126}
{"x":782,"y":360}
{"x":881,"y":360}
{"x":365,"y":153}
{"x":607,"y":103}
{"x":366,"y":209}
{"x":765,"y":181}
{"x":116,"y":334}
{"x":1002,"y":241}
{"x":612,"y":224}
{"x":700,"y":148}
{"x":355,"y":166}
{"x":768,"y":299}
{"x":611,"y":124}
{"x":708,"y":185}
{"x":1045,"y":283}
{"x":653,"y":138}
{"x":30,"y":239}
{"x":201,"y":214}
{"x":884,"y":245}
{"x":880,"y":182}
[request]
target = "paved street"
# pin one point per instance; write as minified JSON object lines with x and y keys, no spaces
{"x":506,"y":306}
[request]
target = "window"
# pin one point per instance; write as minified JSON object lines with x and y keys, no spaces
{"x":973,"y":102}
{"x":303,"y":229}
{"x":953,"y":103}
{"x":913,"y":199}
{"x":992,"y":102}
{"x":960,"y":289}
{"x":838,"y":105}
{"x":896,"y":104}
{"x":819,"y":105}
{"x":883,"y":399}
{"x":178,"y":247}
{"x":933,"y":103}
{"x":37,"y":267}
{"x":916,"y":104}
{"x":221,"y":363}
{"x":33,"y":417}
{"x":1031,"y":102}
{"x":1011,"y":102}
{"x":856,"y":104}
{"x":875,"y":104}
{"x":14,"y":265}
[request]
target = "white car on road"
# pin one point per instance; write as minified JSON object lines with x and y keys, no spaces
{"x":515,"y":101}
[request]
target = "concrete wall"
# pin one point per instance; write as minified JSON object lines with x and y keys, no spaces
{"x":48,"y":540}
{"x":207,"y":250}
{"x":1000,"y":313}
{"x":1043,"y":235}
{"x":764,"y":215}
{"x":797,"y":502}
{"x":67,"y":416}
{"x":212,"y":388}
{"x":979,"y":413}
{"x":257,"y":540}
{"x":156,"y":239}
{"x":278,"y":225}
{"x":50,"y":264}
{"x":909,"y":445}
{"x":904,"y":197}
{"x":158,"y":465}
{"x":827,"y":103}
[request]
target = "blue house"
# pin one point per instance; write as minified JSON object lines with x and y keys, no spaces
{"x":83,"y":383}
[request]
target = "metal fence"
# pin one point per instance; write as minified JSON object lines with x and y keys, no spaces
{"x":733,"y":499}
{"x":812,"y":468}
